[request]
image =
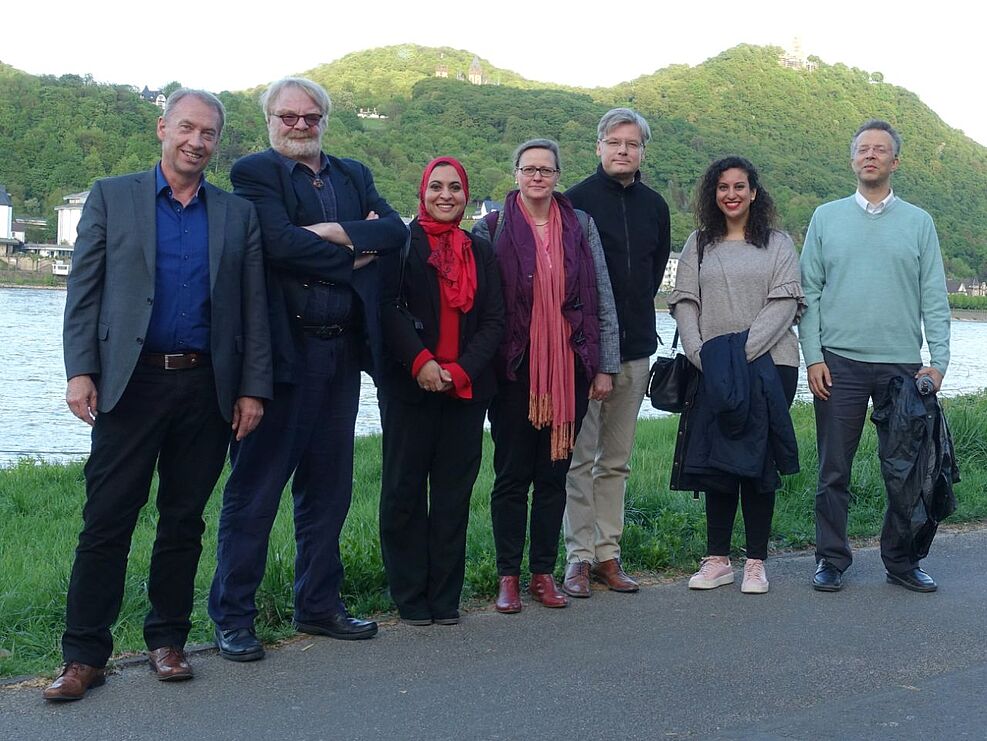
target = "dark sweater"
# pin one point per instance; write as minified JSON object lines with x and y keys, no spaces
{"x":636,"y":233}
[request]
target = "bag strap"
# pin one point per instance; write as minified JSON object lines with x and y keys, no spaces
{"x":699,"y":251}
{"x":405,"y":249}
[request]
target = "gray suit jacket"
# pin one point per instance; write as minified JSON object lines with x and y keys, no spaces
{"x":111,"y":291}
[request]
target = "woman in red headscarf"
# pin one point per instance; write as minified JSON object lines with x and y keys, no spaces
{"x":442,"y":316}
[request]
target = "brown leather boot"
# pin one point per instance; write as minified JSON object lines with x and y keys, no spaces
{"x":610,"y":573}
{"x":509,"y":597}
{"x":544,"y":589}
{"x":576,"y":583}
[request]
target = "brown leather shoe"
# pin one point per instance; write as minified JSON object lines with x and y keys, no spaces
{"x":509,"y":597}
{"x":74,"y":681}
{"x":576,"y":583}
{"x":169,"y":664}
{"x":610,"y":573}
{"x":544,"y":589}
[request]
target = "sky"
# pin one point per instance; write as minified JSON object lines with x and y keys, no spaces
{"x":933,"y":49}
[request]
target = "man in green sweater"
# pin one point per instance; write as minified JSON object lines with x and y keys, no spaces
{"x":873,"y":279}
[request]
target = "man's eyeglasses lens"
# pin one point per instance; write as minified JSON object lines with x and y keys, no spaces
{"x":290,"y":119}
{"x":630,"y":145}
{"x":545,"y":172}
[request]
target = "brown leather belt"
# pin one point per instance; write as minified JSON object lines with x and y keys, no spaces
{"x":175,"y":360}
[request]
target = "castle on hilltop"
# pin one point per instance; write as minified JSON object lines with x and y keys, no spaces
{"x":794,"y":58}
{"x":474,"y":74}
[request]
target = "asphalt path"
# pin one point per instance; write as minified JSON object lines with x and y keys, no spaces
{"x":871,"y":662}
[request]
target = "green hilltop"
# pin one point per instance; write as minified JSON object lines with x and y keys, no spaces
{"x":59,"y":134}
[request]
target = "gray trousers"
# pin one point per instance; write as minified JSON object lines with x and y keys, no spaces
{"x":839,"y":423}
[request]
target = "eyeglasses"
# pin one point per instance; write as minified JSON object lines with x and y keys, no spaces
{"x":545,"y":172}
{"x":879,"y":149}
{"x":630,"y":145}
{"x":290,"y":119}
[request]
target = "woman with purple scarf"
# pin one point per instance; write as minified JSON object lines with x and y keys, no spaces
{"x":559,"y":350}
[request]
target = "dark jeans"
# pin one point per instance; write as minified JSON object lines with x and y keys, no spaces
{"x":839,"y":424}
{"x":431,"y":457}
{"x":166,"y":417}
{"x":522,"y":458}
{"x":758,"y":507}
{"x":307,"y":430}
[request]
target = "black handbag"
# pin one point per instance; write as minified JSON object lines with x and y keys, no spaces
{"x":673,"y":381}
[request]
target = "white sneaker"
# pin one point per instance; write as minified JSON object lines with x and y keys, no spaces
{"x":714,"y":571}
{"x":755,"y":580}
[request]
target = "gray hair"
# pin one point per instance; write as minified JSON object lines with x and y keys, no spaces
{"x":876,"y":124}
{"x":314,"y":90}
{"x":617,"y":116}
{"x":549,"y":144}
{"x":202,"y":95}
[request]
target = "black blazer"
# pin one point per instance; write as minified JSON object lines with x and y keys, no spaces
{"x":293,"y":255}
{"x":480,"y":329}
{"x":111,"y":291}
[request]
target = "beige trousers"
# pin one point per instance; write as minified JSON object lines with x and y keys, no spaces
{"x":594,"y":509}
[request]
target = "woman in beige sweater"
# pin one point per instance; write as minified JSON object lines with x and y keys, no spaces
{"x":737,"y":273}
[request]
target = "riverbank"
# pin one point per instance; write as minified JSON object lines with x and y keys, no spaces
{"x":40,"y":516}
{"x":961,"y":315}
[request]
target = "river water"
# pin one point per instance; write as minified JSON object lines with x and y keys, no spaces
{"x":35,"y":422}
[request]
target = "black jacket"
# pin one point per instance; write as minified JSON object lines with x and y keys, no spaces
{"x":738,"y":427}
{"x":480,"y":329}
{"x":918,"y":462}
{"x":636,"y":234}
{"x":294,"y":256}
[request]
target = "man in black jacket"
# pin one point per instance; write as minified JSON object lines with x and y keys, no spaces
{"x":633,"y":221}
{"x":323,"y":224}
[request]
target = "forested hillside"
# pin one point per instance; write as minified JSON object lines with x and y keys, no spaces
{"x":58,"y":134}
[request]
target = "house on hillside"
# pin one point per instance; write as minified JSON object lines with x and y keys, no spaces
{"x":485,"y":207}
{"x":69,"y":214}
{"x":794,"y":58}
{"x":154,"y":96}
{"x":671,"y":272}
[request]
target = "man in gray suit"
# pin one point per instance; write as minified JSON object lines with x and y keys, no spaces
{"x":167,"y":348}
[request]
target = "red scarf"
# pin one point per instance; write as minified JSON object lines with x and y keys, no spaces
{"x":452,"y":256}
{"x":552,"y":380}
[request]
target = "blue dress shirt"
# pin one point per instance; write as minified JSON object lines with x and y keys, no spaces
{"x":181,"y":315}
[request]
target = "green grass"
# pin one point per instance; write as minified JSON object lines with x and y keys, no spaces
{"x":41,"y":504}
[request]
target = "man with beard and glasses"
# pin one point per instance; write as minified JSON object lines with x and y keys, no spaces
{"x":323,"y":225}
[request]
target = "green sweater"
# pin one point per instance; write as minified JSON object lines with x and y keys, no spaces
{"x":872,"y":281}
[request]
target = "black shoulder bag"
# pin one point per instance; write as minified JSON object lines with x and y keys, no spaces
{"x":673,"y":381}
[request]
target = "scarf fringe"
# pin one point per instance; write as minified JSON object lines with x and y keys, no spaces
{"x":563,"y":435}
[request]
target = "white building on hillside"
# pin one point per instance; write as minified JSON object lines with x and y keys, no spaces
{"x":671,"y":272}
{"x":69,"y":214}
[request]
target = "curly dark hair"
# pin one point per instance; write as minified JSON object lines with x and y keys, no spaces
{"x":711,"y":222}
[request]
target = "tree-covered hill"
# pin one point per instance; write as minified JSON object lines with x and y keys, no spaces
{"x":58,"y":134}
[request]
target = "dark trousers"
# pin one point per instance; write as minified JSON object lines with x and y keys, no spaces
{"x":166,"y":417}
{"x":522,"y":458}
{"x":307,"y":430}
{"x":431,"y":457}
{"x":839,"y":424}
{"x":758,"y":507}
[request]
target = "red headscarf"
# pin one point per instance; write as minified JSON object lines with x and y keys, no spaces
{"x":452,"y":256}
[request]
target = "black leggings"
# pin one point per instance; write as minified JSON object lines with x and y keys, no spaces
{"x":758,"y":507}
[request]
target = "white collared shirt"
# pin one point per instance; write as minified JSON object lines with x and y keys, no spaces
{"x":873,"y":208}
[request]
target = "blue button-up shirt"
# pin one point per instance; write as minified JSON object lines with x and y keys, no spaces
{"x":181,"y":314}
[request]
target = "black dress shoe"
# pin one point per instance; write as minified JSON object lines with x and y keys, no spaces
{"x":828,"y":578}
{"x":340,"y":625}
{"x":914,"y":579}
{"x":238,"y":644}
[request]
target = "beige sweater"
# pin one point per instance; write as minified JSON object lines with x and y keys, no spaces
{"x":740,"y":286}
